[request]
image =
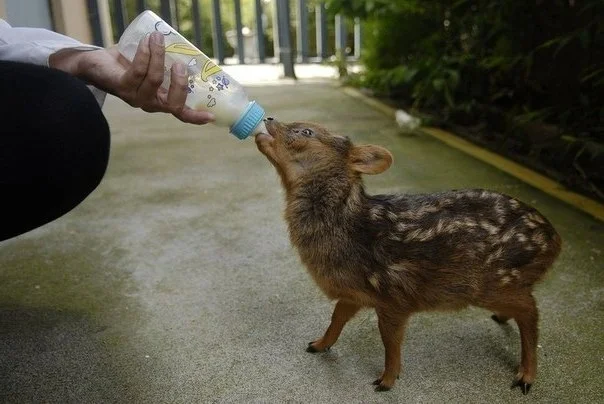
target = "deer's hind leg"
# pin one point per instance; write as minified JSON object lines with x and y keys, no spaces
{"x":392,"y":330}
{"x":523,"y":309}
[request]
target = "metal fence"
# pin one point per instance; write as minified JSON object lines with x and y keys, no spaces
{"x":291,"y":30}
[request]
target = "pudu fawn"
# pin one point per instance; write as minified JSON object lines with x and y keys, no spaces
{"x":401,"y":254}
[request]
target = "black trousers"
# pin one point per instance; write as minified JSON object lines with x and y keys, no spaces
{"x":54,"y":145}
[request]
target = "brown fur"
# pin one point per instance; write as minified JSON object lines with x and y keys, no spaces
{"x":401,"y":254}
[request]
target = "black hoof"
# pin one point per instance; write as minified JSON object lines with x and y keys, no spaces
{"x":382,"y":388}
{"x":524,"y":387}
{"x":312,"y":349}
{"x":499,"y":320}
{"x":377,"y":382}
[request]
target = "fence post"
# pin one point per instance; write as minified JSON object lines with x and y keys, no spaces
{"x":197,"y":24}
{"x":321,"y":28}
{"x":340,"y":34}
{"x":176,"y":15}
{"x":141,"y":5}
{"x":274,"y":9}
{"x":167,"y":14}
{"x":217,"y":32}
{"x":302,"y":31}
{"x":95,"y":22}
{"x":120,"y":16}
{"x":239,"y":28}
{"x":357,"y":37}
{"x":286,"y":55}
{"x":260,"y":31}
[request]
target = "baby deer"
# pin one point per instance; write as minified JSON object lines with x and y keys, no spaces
{"x":401,"y":254}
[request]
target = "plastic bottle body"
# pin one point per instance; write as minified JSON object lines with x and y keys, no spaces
{"x":210,"y":88}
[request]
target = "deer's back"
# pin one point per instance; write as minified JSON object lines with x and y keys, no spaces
{"x":459,"y":247}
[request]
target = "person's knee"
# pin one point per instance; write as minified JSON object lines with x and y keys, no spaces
{"x":54,"y":148}
{"x":83,"y":137}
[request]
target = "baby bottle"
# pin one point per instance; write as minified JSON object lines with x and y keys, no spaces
{"x":209,"y":87}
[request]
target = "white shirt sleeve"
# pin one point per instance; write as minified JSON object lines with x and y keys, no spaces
{"x":35,"y":45}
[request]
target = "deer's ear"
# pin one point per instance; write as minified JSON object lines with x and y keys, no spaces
{"x":370,"y":159}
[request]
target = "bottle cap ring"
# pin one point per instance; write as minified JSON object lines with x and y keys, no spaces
{"x":248,"y":121}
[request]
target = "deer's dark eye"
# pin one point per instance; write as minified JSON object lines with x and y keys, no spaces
{"x":307,"y":132}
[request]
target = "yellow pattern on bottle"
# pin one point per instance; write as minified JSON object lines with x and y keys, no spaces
{"x":209,"y":68}
{"x":183,"y":49}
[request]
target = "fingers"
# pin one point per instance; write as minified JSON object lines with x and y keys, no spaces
{"x":177,"y":93}
{"x":174,"y":101}
{"x":134,"y":76}
{"x":189,"y":115}
{"x":155,"y":70}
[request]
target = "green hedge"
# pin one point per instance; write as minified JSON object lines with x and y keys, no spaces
{"x":530,"y":70}
{"x":541,"y":60}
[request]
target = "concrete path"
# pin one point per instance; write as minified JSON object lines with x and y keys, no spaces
{"x":175,"y":282}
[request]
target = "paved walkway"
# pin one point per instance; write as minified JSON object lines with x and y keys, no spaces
{"x":174,"y":282}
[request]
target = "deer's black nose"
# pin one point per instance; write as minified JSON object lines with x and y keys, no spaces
{"x":269,"y":119}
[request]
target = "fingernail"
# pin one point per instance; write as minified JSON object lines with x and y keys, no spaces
{"x":158,"y":38}
{"x":180,"y":69}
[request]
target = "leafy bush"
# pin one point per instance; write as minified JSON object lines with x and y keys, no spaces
{"x":538,"y":60}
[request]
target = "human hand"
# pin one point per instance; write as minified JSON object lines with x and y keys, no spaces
{"x":137,"y":82}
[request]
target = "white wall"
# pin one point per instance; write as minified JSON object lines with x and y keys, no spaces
{"x":28,"y":13}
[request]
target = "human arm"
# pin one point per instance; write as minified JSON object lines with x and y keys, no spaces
{"x":36,"y":45}
{"x":137,"y":83}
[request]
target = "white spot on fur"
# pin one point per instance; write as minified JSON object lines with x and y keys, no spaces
{"x":501,"y":272}
{"x":392,"y":216}
{"x":521,"y":237}
{"x":470,"y":222}
{"x":413,"y":235}
{"x":399,"y":267}
{"x":508,"y":235}
{"x":450,"y":227}
{"x":535,"y":217}
{"x":494,"y":256}
{"x":505,"y":280}
{"x":420,"y":235}
{"x":514,"y":204}
{"x":373,"y":279}
{"x":376,"y":212}
{"x":420,"y":212}
{"x":405,"y":226}
{"x":491,"y":229}
{"x":439,"y":226}
{"x":516,"y":273}
{"x":393,"y":275}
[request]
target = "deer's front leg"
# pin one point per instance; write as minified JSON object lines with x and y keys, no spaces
{"x":392,"y":330}
{"x":343,"y":312}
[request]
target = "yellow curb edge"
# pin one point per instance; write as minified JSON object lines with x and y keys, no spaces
{"x":539,"y":181}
